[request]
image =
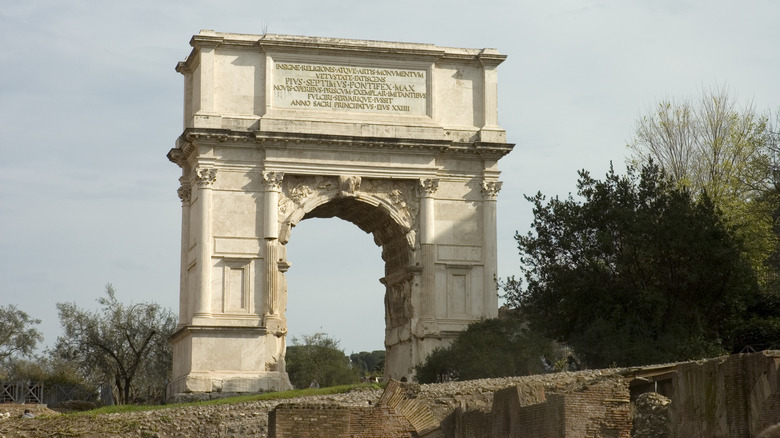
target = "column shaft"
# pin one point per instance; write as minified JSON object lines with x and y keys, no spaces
{"x":205,"y":177}
{"x":273,"y":185}
{"x":185,"y":313}
{"x":428,"y":188}
{"x":490,"y":193}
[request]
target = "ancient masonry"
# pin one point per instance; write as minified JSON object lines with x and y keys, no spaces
{"x":400,"y":139}
{"x":733,"y":396}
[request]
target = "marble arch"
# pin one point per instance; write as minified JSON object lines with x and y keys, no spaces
{"x":399,"y":139}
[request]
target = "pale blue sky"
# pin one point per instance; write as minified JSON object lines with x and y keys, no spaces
{"x":90,"y":104}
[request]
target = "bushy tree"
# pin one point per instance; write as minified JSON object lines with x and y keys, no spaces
{"x":17,"y":334}
{"x":486,"y":349}
{"x":370,"y":363}
{"x":639,"y":271}
{"x":713,"y":146}
{"x":318,"y":358}
{"x":126,"y":345}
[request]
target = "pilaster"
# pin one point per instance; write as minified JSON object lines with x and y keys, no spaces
{"x":490,"y":131}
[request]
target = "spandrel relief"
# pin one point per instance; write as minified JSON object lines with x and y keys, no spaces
{"x":303,"y":193}
{"x":296,"y":190}
{"x":399,"y":194}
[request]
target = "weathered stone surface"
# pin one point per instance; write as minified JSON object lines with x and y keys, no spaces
{"x":770,"y":432}
{"x":400,"y":139}
{"x":592,"y":403}
{"x":734,"y":396}
{"x":651,"y":416}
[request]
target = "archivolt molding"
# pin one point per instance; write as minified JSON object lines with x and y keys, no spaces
{"x":300,"y":194}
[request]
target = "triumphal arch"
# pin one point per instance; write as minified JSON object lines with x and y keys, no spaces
{"x":400,"y":139}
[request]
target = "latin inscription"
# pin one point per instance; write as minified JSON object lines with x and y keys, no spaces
{"x":346,"y":88}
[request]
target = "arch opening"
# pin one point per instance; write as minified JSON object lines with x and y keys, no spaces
{"x":376,"y":214}
{"x":374,"y":220}
{"x":333,"y":285}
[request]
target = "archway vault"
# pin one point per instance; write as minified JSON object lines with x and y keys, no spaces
{"x":385,"y":208}
{"x":399,"y":139}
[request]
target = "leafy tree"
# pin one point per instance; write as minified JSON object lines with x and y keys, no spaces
{"x":715,"y":147}
{"x":495,"y":347}
{"x":369,"y":362}
{"x":637,"y":272}
{"x":17,"y":336}
{"x":119,"y":344}
{"x":318,"y":358}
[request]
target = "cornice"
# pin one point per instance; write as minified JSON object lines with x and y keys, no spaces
{"x":206,"y":41}
{"x":190,"y":137}
{"x":319,"y":48}
{"x":284,"y":138}
{"x":490,"y":57}
{"x":323,"y":45}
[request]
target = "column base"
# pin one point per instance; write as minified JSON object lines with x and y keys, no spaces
{"x":205,"y":386}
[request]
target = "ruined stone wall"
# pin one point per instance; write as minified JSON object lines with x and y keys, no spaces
{"x":602,"y":409}
{"x":471,"y":423}
{"x":308,"y":421}
{"x":732,"y":396}
{"x":395,"y":415}
{"x":735,"y":396}
{"x":311,"y":421}
{"x":598,"y":408}
{"x":543,"y":419}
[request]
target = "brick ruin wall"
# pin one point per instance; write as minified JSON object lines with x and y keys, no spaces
{"x":394,"y":416}
{"x":597,"y":408}
{"x":314,"y":421}
{"x":732,"y":396}
{"x":735,"y":396}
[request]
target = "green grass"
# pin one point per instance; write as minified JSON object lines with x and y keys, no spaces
{"x":295,"y":393}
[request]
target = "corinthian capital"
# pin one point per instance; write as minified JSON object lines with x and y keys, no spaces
{"x":205,"y":176}
{"x":428,"y":186}
{"x":490,"y":189}
{"x":184,"y":191}
{"x":272,"y":181}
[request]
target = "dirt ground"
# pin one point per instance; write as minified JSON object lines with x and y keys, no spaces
{"x":16,"y":411}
